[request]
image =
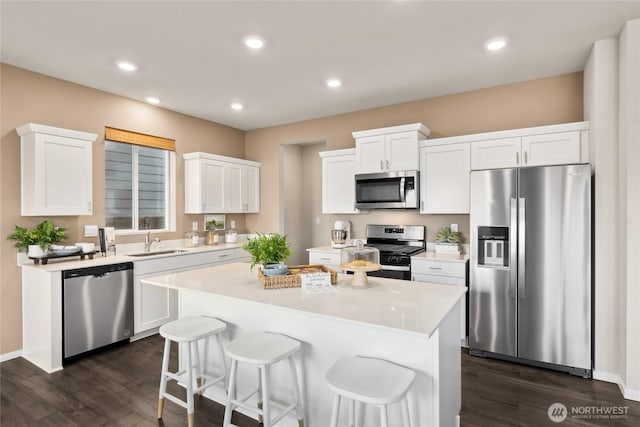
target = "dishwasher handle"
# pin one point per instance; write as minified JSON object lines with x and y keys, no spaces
{"x":97,"y":271}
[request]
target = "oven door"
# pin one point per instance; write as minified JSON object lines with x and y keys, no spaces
{"x":386,"y":190}
{"x":392,"y":272}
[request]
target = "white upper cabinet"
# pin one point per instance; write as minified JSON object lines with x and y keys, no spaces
{"x":444,"y":177}
{"x":538,"y":146}
{"x":338,"y":181}
{"x":389,"y":149}
{"x":220,"y":184}
{"x":56,"y":170}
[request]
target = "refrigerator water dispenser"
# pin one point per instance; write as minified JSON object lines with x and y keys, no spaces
{"x":493,"y":246}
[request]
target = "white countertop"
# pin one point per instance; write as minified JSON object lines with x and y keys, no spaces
{"x":409,"y":307}
{"x":72,"y":262}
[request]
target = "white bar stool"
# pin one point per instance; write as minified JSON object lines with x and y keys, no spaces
{"x":262,"y":349}
{"x":189,"y":331}
{"x":369,"y":380}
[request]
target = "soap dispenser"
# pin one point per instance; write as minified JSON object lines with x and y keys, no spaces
{"x":192,"y":238}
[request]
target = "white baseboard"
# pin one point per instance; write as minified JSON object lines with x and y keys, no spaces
{"x":9,"y":356}
{"x":627,"y":393}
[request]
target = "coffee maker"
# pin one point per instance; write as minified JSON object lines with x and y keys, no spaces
{"x":341,"y":234}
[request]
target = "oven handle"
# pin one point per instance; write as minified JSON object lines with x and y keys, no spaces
{"x":396,"y":267}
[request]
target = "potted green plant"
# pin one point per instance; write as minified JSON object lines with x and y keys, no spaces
{"x":270,"y":250}
{"x":36,"y":240}
{"x":447,"y":241}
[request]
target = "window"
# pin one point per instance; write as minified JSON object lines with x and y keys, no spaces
{"x":138,"y":190}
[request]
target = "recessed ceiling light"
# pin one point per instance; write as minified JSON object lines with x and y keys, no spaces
{"x":495,"y":44}
{"x":237,"y":106}
{"x":254,"y":42}
{"x":127,"y":66}
{"x":334,"y":83}
{"x":152,"y":100}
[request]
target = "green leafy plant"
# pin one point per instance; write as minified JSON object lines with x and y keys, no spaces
{"x":267,"y":249}
{"x":445,"y":235}
{"x":44,"y":235}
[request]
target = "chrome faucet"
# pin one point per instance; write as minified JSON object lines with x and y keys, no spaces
{"x":148,"y":241}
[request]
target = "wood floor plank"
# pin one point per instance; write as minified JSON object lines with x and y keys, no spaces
{"x":119,"y":387}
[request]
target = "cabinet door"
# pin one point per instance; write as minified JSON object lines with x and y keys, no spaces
{"x":235,"y":188}
{"x":444,"y":178}
{"x":338,"y":185}
{"x":495,"y":153}
{"x":252,"y":189}
{"x":214,"y":186}
{"x":551,"y":149}
{"x":57,"y":177}
{"x":371,"y":154}
{"x":401,"y":151}
{"x":153,"y":305}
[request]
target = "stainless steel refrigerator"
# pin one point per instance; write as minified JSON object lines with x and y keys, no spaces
{"x":530,"y":283}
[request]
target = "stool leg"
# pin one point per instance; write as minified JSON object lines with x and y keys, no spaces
{"x":259,"y":395}
{"x":231,"y":394}
{"x":222,"y":359}
{"x":296,"y":392}
{"x":163,"y":376}
{"x":189,"y":372}
{"x":352,"y":405}
{"x":358,"y":413}
{"x":384,"y":420}
{"x":198,"y":367}
{"x":266,"y":396}
{"x":335,"y":411}
{"x":406,"y":421}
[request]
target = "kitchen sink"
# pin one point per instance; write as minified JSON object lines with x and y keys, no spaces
{"x":169,"y":251}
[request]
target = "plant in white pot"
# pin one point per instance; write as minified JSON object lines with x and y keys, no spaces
{"x":36,"y":240}
{"x":448,"y":242}
{"x":269,"y":250}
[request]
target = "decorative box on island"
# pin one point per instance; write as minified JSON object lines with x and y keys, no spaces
{"x":360,"y":260}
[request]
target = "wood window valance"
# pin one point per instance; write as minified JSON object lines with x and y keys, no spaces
{"x":126,"y":136}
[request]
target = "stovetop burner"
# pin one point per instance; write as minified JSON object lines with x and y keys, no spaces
{"x":396,"y":243}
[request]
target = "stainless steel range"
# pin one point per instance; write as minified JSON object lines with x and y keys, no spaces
{"x":397,"y":244}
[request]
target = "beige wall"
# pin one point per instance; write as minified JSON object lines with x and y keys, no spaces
{"x":30,"y":97}
{"x":533,"y":103}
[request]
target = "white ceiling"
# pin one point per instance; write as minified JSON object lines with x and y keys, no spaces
{"x":191,"y":55}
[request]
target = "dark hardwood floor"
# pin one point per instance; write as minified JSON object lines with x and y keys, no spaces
{"x":120,"y":388}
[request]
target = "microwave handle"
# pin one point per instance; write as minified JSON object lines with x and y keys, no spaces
{"x":403,"y":190}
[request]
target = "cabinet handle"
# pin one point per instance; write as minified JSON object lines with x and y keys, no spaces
{"x":517,"y":158}
{"x":89,"y":206}
{"x":224,"y":256}
{"x":421,"y":205}
{"x":435,"y":268}
{"x":526,"y":159}
{"x":387,"y":164}
{"x":325,"y":259}
{"x":381,"y":165}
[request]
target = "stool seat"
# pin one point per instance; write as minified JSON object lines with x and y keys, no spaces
{"x":369,"y":380}
{"x":262,"y":348}
{"x":191,"y":328}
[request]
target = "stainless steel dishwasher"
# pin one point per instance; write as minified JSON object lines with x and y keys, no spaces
{"x":97,"y":308}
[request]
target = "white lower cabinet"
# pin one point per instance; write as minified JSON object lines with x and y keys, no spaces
{"x":449,"y":272}
{"x":329,"y":257}
{"x":155,"y":306}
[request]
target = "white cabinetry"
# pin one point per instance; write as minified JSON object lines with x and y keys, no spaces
{"x":56,"y":170}
{"x":325,"y":255}
{"x":389,"y":149}
{"x":547,"y":145}
{"x":220,"y":184}
{"x":444,"y":177}
{"x":445,"y":272}
{"x":338,"y":181}
{"x":153,"y":305}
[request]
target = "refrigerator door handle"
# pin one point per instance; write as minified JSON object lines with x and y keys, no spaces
{"x":521,"y":247}
{"x":513,"y":248}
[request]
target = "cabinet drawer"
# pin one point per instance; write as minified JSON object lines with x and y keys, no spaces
{"x":158,"y":265}
{"x":442,"y":280}
{"x":438,"y":268}
{"x":324,"y":258}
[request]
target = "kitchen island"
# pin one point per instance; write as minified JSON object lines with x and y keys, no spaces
{"x":413,"y":324}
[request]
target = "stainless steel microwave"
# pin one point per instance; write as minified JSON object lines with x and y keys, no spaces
{"x":387,"y":190}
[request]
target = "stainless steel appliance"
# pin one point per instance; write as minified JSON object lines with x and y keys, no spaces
{"x":97,"y":308}
{"x":341,"y":234}
{"x":530,"y":285}
{"x":397,"y":244}
{"x":387,"y":190}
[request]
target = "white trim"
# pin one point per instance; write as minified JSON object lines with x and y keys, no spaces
{"x":418,"y":127}
{"x":50,"y":130}
{"x":9,"y":356}
{"x":627,"y":393}
{"x":202,"y":155}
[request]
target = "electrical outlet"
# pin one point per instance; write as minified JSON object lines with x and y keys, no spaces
{"x":454,"y":227}
{"x":90,"y":231}
{"x":233,"y":223}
